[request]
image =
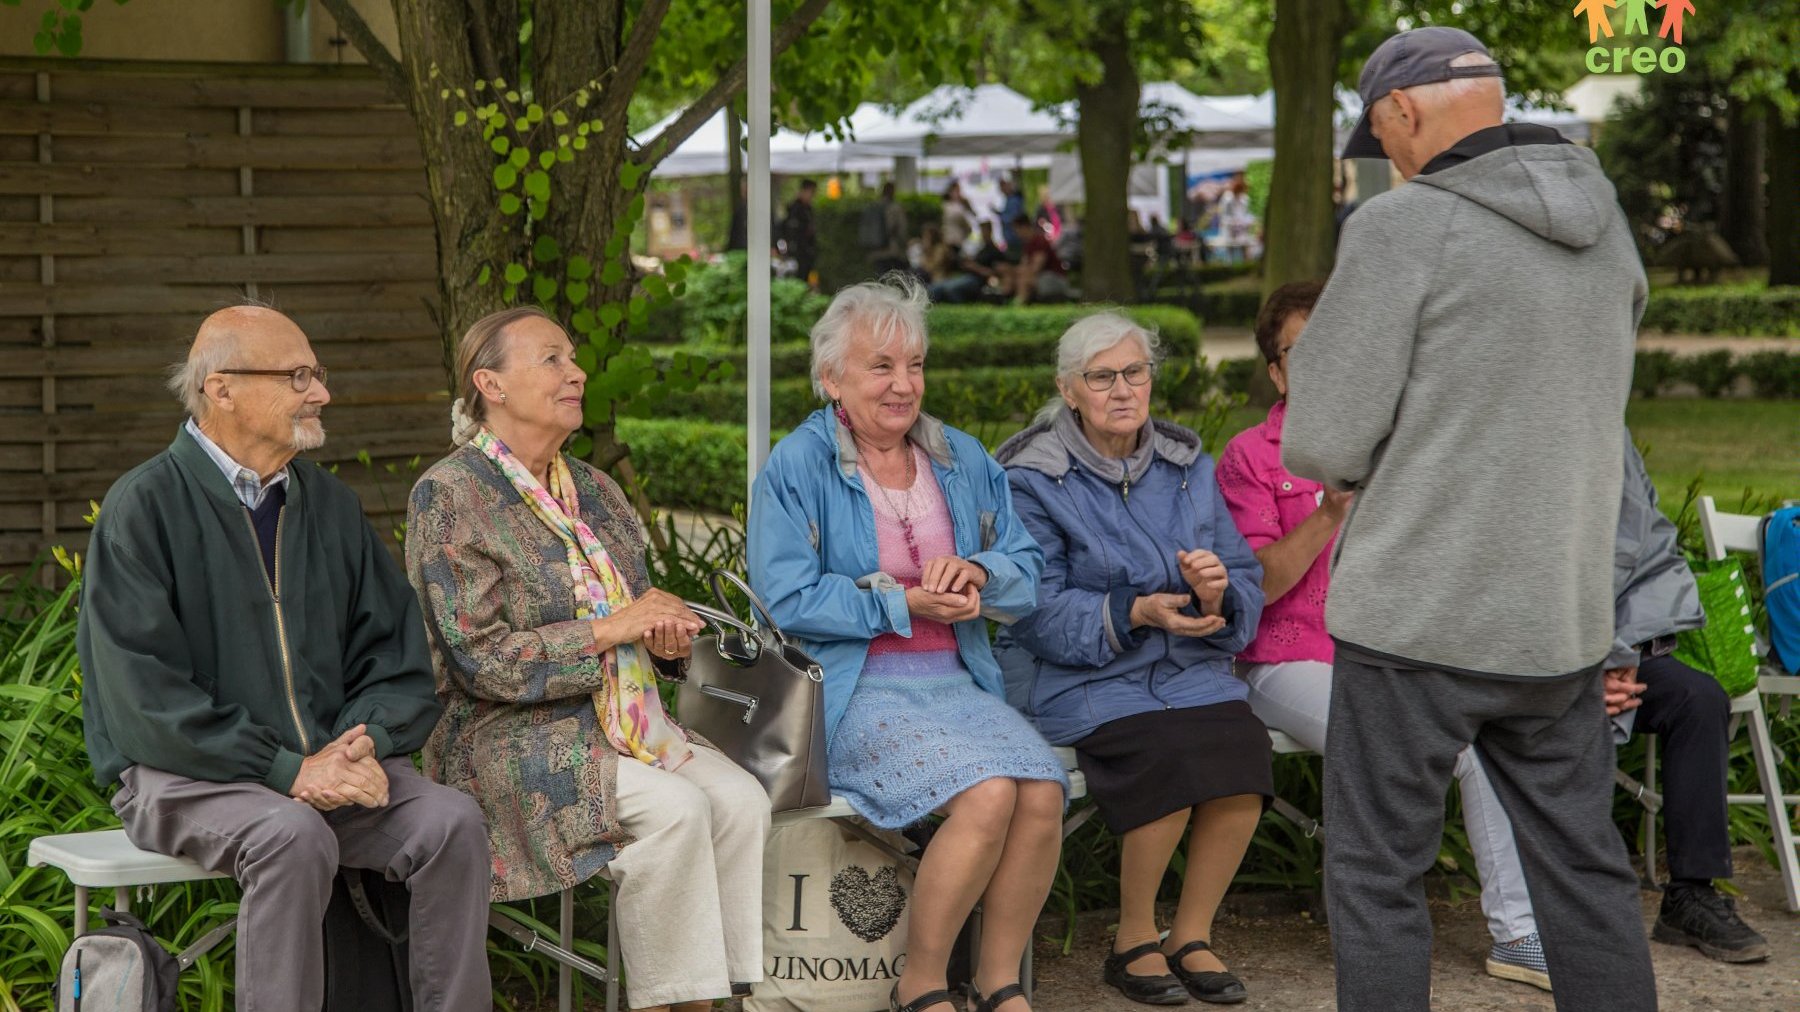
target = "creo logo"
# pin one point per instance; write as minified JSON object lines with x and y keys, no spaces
{"x":1603,"y":59}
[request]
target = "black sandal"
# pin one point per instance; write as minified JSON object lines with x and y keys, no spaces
{"x":1147,"y":989}
{"x":1001,"y":996}
{"x":921,"y":1003}
{"x":1211,"y":986}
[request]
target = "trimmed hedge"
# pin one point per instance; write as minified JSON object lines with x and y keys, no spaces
{"x":981,"y":394}
{"x":964,"y":337}
{"x":687,"y":463}
{"x":842,"y":260}
{"x":1739,"y":310}
{"x":1773,"y":375}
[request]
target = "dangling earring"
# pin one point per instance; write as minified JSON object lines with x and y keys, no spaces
{"x":843,"y":416}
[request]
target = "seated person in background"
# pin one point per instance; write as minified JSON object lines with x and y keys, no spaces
{"x":949,"y":280}
{"x":990,"y":263}
{"x":1041,"y":276}
{"x":548,"y":642}
{"x":257,"y":677}
{"x":1148,"y":590}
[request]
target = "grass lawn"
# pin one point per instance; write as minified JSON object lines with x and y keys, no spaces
{"x":1733,"y":445}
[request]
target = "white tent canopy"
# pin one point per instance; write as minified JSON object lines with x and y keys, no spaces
{"x":990,"y":119}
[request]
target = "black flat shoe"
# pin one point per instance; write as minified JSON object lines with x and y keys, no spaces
{"x":1001,"y":996}
{"x":1211,"y":986}
{"x":921,"y":1003}
{"x":1147,"y":989}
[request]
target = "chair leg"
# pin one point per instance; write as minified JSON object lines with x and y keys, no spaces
{"x":1769,"y":773}
{"x":613,"y":962}
{"x":81,"y":910}
{"x":1650,"y":814}
{"x":565,"y":975}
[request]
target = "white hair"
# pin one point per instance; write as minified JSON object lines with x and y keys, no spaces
{"x":1439,"y":94}
{"x":889,"y":310}
{"x":1095,"y":335}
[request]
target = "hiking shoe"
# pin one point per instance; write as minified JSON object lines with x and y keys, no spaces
{"x":1700,"y":917}
{"x":1521,"y":959}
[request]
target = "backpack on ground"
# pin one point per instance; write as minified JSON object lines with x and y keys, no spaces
{"x":1781,"y":585}
{"x":118,"y":968}
{"x":871,"y":228}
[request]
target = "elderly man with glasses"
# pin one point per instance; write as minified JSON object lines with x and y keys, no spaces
{"x":257,"y":676}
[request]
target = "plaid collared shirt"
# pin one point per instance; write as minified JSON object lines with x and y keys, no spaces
{"x":247,"y":484}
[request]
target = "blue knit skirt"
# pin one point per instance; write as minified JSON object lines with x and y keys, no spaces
{"x":912,"y":739}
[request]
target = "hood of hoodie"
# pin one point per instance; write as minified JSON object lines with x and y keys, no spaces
{"x":1555,"y":189}
{"x":1053,"y":447}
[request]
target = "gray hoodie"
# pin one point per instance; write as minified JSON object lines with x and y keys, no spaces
{"x":1466,"y":370}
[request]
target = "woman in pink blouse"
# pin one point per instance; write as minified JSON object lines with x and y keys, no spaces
{"x":1291,"y":523}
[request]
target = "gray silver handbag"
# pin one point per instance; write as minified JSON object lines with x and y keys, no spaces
{"x":760,"y":699}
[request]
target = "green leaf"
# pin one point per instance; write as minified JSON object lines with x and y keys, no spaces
{"x":537,"y":185}
{"x":520,"y":157}
{"x":544,"y":289}
{"x":461,"y":118}
{"x":515,"y":273}
{"x":612,"y":273}
{"x":545,"y":249}
{"x":480,"y":86}
{"x":546,"y":159}
{"x":656,"y":286}
{"x":564,"y":155}
{"x":513,"y":97}
{"x":505,"y":176}
{"x":629,"y":174}
{"x":584,"y":321}
{"x":521,"y":124}
{"x":581,"y":130}
{"x":501,"y":145}
{"x":583,"y":444}
{"x":610,"y":316}
{"x":637,"y":308}
{"x":510,"y":203}
{"x":509,"y":293}
{"x":486,"y":274}
{"x":579,"y":143}
{"x":559,"y":118}
{"x":534,"y":113}
{"x":525,"y":27}
{"x":580,"y":268}
{"x":616,"y":244}
{"x":540,"y":208}
{"x":577,"y":292}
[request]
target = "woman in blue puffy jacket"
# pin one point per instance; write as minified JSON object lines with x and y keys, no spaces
{"x":1148,"y":590}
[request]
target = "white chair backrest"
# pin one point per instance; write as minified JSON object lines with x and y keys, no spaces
{"x":1728,"y":532}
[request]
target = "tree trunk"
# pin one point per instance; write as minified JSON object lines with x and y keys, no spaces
{"x":1741,"y":206}
{"x":1299,"y":229}
{"x":1783,"y":219}
{"x":1107,"y":120}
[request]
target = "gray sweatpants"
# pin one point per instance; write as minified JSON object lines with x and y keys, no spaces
{"x":1547,"y":748}
{"x":285,"y":853}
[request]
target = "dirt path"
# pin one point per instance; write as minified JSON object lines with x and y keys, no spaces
{"x":1285,"y":960}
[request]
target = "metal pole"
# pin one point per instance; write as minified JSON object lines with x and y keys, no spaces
{"x":756,"y":382}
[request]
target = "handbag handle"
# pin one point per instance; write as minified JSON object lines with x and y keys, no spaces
{"x":758,"y":611}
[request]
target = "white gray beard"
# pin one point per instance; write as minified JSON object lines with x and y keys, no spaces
{"x":306,"y":438}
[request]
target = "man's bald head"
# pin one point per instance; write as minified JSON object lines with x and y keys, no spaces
{"x":237,"y":337}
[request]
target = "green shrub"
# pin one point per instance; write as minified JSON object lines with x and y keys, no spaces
{"x":1230,"y":307}
{"x":1773,"y":374}
{"x":958,"y":325}
{"x":1745,"y":310}
{"x":1712,"y":373}
{"x":685,"y":463}
{"x":1653,"y":371}
{"x":715,"y":306}
{"x":1235,"y":374}
{"x":842,"y":260}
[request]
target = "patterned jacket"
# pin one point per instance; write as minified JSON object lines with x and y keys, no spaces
{"x":516,"y":670}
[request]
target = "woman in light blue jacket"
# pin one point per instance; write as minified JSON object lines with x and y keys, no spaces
{"x":884,"y":540}
{"x":1148,"y":591}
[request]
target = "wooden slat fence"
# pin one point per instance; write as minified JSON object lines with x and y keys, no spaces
{"x":135,"y":198}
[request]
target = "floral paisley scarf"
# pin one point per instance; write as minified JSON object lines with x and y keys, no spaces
{"x":629,"y":708}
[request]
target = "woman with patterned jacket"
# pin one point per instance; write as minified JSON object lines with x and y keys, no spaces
{"x":548,"y":641}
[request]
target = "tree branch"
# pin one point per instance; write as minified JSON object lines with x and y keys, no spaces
{"x":729,"y":84}
{"x":363,"y":38}
{"x":481,"y":38}
{"x":634,"y":56}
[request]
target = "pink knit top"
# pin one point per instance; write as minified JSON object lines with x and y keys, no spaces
{"x":925,"y":506}
{"x":1267,"y":501}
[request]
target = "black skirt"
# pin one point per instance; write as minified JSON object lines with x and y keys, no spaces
{"x":1145,"y":766}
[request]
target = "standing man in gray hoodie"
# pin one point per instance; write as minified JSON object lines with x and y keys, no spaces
{"x":1466,"y":373}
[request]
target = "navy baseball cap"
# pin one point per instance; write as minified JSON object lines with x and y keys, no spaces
{"x":1421,"y":56}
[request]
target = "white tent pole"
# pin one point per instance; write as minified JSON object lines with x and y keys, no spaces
{"x":756,"y":380}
